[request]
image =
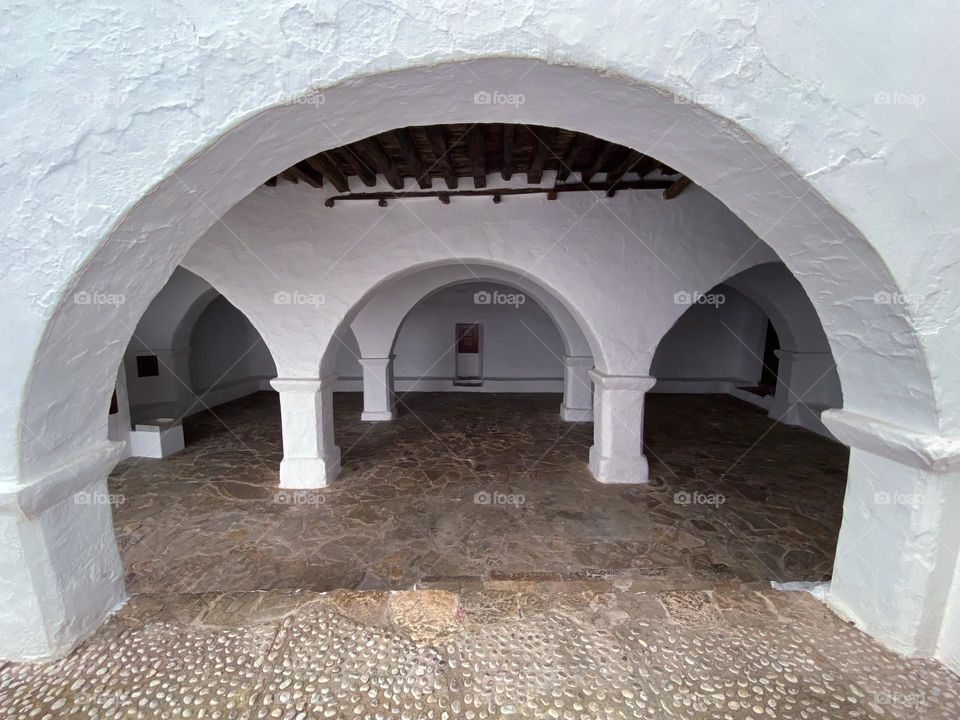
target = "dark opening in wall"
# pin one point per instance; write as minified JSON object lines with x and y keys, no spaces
{"x":771,"y":363}
{"x":148,"y":366}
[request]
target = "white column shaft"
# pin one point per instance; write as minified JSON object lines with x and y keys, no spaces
{"x":311,"y":459}
{"x":803,"y":378}
{"x":577,"y":389}
{"x":378,"y":396}
{"x":897,"y":551}
{"x":618,"y":406}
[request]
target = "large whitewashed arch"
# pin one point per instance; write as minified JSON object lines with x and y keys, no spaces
{"x":757,"y":186}
{"x":55,"y":429}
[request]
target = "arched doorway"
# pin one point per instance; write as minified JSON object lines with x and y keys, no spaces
{"x":750,"y":194}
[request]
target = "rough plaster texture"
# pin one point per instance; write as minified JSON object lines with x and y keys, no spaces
{"x":166,"y":116}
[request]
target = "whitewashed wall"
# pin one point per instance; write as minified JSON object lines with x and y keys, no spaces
{"x":130,"y":128}
{"x":712,"y":345}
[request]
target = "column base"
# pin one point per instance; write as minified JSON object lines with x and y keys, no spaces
{"x":60,"y":572}
{"x":624,"y":470}
{"x":309,"y":473}
{"x":377,"y":415}
{"x":156,"y":439}
{"x":576,"y":414}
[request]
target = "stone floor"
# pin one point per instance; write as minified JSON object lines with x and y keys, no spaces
{"x":576,"y":649}
{"x":540,"y":593}
{"x":478,"y":487}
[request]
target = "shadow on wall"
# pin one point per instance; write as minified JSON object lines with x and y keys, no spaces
{"x":225,"y":359}
{"x":721,"y":344}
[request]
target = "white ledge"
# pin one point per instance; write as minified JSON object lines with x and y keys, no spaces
{"x":30,"y":498}
{"x":302,"y":385}
{"x":637,"y":383}
{"x":925,"y":451}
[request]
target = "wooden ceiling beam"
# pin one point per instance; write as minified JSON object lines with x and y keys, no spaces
{"x":550,"y":192}
{"x":290,"y":175}
{"x":308,"y":174}
{"x":541,"y":152}
{"x":326,"y":166}
{"x":410,"y":153}
{"x":506,"y":168}
{"x":602,"y":157}
{"x":476,"y":147}
{"x":438,"y":143}
{"x":372,"y":148}
{"x":616,"y":175}
{"x":677,"y":187}
{"x":579,"y":142}
{"x":360,"y":168}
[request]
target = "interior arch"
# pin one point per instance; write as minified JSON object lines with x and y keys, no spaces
{"x":759,"y":187}
{"x":377,"y":324}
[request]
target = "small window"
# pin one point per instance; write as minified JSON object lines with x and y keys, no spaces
{"x":148,"y":366}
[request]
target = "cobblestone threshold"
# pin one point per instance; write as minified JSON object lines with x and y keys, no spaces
{"x":589,"y":648}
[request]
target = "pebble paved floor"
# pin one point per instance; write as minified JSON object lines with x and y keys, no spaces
{"x":576,"y":649}
{"x":550,"y":597}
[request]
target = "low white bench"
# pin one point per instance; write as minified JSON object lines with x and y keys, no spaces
{"x":157,"y":438}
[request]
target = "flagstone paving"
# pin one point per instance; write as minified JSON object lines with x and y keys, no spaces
{"x":481,"y":487}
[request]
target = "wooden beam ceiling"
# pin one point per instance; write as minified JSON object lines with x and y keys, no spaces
{"x":477,"y":151}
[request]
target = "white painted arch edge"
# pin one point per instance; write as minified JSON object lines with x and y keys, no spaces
{"x":146,"y":244}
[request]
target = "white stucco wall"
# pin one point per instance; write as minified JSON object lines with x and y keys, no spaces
{"x":225,"y":349}
{"x":721,"y":340}
{"x":519,"y":342}
{"x":827,"y":139}
{"x":589,"y":255}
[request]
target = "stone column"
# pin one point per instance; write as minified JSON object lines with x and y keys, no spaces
{"x":617,"y":452}
{"x":808,"y":375}
{"x":897,"y":552}
{"x":378,"y":397}
{"x":60,"y":572}
{"x":577,"y":389}
{"x":310,"y":457}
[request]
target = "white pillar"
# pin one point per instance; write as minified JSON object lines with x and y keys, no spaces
{"x":60,"y":572}
{"x":577,"y":389}
{"x":898,"y":547}
{"x":617,"y":452}
{"x":310,"y":457}
{"x":811,"y":376}
{"x":378,"y":397}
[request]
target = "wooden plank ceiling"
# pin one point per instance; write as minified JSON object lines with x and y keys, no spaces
{"x":438,"y":157}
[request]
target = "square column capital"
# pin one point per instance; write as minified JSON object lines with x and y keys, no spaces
{"x":376,"y":363}
{"x":302,"y":385}
{"x":916,"y":449}
{"x":632,"y":383}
